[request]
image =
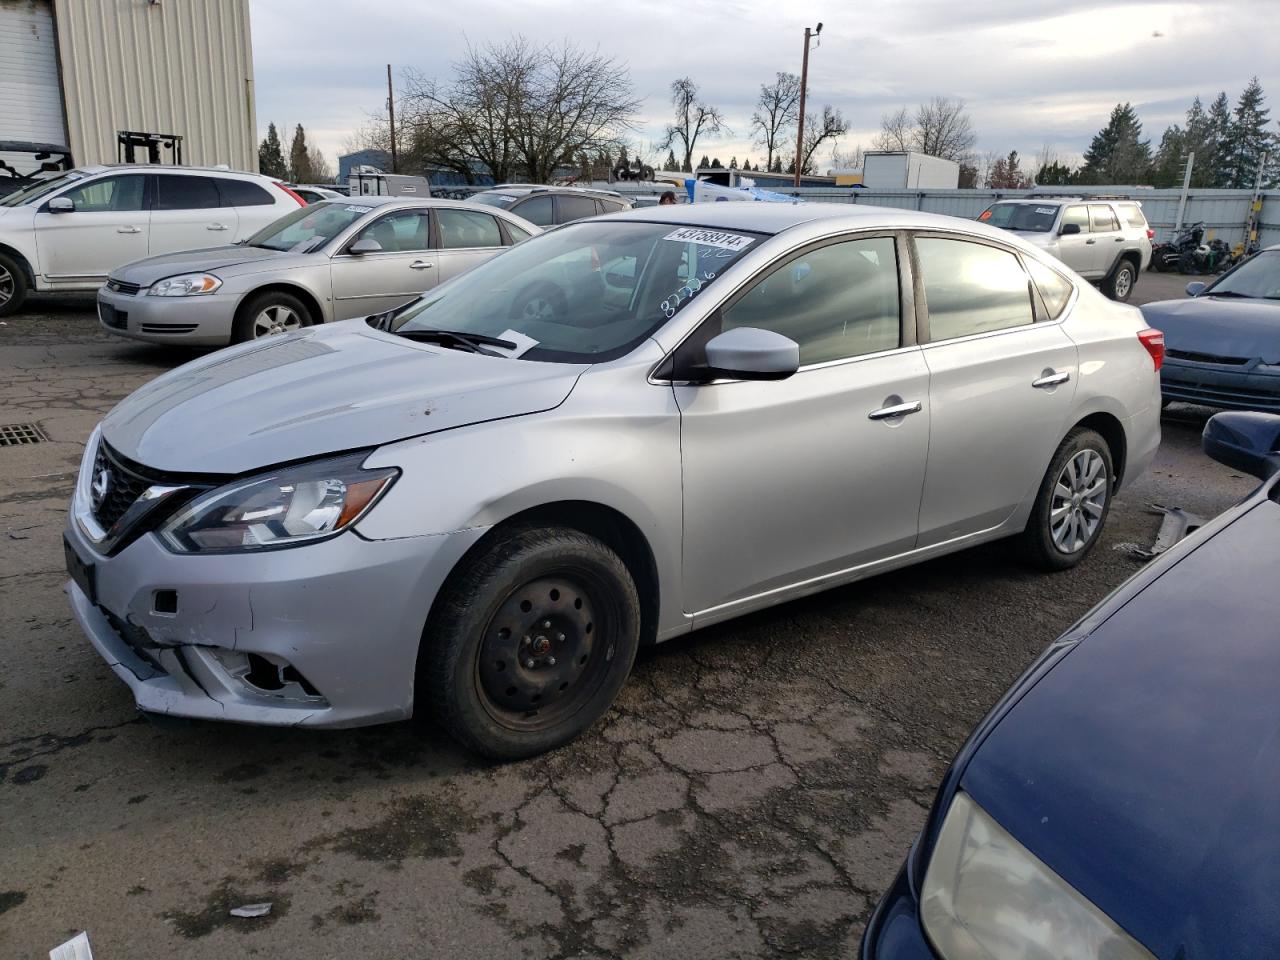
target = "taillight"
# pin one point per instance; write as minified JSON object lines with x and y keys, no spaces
{"x":1153,"y":340}
{"x":1151,"y":234}
{"x":301,"y":202}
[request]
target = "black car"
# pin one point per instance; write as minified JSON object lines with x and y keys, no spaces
{"x":549,"y":206}
{"x":1122,"y":800}
{"x":1222,"y":343}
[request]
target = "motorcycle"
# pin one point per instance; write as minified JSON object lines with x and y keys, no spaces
{"x":1168,"y":257}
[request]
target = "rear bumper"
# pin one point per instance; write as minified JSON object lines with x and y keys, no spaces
{"x":1254,"y":386}
{"x":192,"y":321}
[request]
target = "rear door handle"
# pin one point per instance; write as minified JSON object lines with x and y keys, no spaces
{"x":128,"y":229}
{"x":216,"y":226}
{"x":897,"y":410}
{"x":1119,"y":239}
{"x":1051,"y":380}
{"x":1091,"y":240}
{"x":421,"y":265}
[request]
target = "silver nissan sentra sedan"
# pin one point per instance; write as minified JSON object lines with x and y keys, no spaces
{"x":478,"y":506}
{"x":332,"y":260}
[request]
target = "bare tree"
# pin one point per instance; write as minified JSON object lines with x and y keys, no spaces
{"x":847,"y":159}
{"x":940,"y":128}
{"x":896,"y":131}
{"x":818,"y":130}
{"x":518,"y":109}
{"x":1046,"y":156}
{"x":777,"y":111}
{"x":321,"y":172}
{"x":693,"y":118}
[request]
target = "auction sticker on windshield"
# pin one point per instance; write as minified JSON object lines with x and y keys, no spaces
{"x":710,"y":238}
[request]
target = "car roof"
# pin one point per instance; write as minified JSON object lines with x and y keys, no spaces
{"x":523,"y":189}
{"x":381,"y":200}
{"x":96,"y":168}
{"x":1055,"y":199}
{"x":775,"y":217}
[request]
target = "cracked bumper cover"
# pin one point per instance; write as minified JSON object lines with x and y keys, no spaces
{"x":348,"y":613}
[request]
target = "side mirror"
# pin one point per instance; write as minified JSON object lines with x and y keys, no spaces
{"x":365,"y":245}
{"x":1246,"y":441}
{"x":749,"y":353}
{"x":1195,"y":288}
{"x":1069,"y":229}
{"x":61,"y":205}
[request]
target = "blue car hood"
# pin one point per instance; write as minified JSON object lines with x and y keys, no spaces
{"x":1222,"y":326}
{"x":1144,"y":768}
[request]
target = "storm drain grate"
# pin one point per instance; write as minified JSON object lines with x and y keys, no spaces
{"x":20,"y":434}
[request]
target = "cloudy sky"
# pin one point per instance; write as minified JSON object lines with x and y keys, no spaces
{"x":1034,"y":72}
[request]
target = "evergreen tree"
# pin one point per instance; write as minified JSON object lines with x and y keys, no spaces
{"x":716,"y":164}
{"x":300,"y":158}
{"x":704,"y":162}
{"x":1118,"y":154}
{"x":1219,"y":136}
{"x":1170,"y":156}
{"x":671,"y":166}
{"x":1055,"y":175}
{"x":623,"y":160}
{"x":1248,"y":138}
{"x":777,"y":165}
{"x":733,"y":163}
{"x":270,"y":156}
{"x":746,"y":166}
{"x":1198,"y":137}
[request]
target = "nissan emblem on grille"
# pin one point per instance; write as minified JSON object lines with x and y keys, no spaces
{"x":100,"y":486}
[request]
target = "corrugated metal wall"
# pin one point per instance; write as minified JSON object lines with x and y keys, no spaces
{"x":170,"y":66}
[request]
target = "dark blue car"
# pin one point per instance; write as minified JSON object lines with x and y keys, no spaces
{"x":1122,"y":801}
{"x":1222,"y":345}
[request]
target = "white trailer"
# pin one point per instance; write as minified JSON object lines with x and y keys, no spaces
{"x":908,"y":170}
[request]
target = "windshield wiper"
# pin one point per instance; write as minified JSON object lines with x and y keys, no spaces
{"x":1228,"y":293}
{"x":467,"y":340}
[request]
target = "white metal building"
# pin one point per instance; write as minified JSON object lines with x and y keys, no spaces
{"x":75,"y":72}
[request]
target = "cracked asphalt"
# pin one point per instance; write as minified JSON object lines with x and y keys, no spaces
{"x":751,"y":795}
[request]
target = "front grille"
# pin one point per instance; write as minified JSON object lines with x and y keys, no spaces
{"x":1205,"y":358}
{"x":1219,"y":397}
{"x":119,"y":486}
{"x":128,"y":289}
{"x":168,"y":327}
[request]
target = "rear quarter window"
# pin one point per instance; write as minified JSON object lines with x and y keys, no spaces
{"x":241,"y":193}
{"x":1055,"y":289}
{"x":1131,"y":214}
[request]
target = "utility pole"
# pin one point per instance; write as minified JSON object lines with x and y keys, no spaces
{"x":1255,"y":205}
{"x":1186,"y":185}
{"x":804,"y":85}
{"x":391,"y":118}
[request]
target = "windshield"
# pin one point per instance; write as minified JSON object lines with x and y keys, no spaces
{"x":1020,"y":216}
{"x":585,"y":293}
{"x":1256,"y":277}
{"x":41,"y":189}
{"x":494,"y":199}
{"x":303,"y":226}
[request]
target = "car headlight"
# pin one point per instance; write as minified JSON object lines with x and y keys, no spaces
{"x":295,"y":505}
{"x":986,"y":897}
{"x":187,"y":285}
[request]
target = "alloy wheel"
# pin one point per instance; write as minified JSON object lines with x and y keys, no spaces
{"x":6,"y":286}
{"x":275,"y":319}
{"x":1079,"y":500}
{"x":1124,"y":282}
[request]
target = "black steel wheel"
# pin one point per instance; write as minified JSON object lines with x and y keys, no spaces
{"x":530,"y":642}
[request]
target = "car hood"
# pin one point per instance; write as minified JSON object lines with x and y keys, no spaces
{"x":1144,"y":767}
{"x":1222,"y":326}
{"x":209,"y":259}
{"x":338,"y":387}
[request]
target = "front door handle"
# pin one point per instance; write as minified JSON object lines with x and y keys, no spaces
{"x":216,"y":226}
{"x":1051,"y":380}
{"x":1091,"y":240}
{"x":421,"y":265}
{"x":897,"y":410}
{"x":128,"y":229}
{"x":1119,"y":239}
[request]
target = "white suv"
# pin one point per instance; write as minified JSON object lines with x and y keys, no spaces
{"x":68,"y":233}
{"x":1106,"y":241}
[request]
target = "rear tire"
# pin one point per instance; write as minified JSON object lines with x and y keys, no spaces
{"x":269,"y":313}
{"x":529,"y":642}
{"x":1119,"y":286}
{"x":1072,"y":503}
{"x":13,"y":286}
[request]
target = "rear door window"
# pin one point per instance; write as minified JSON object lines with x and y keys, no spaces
{"x":1104,"y":221}
{"x":466,"y":228}
{"x":176,"y":192}
{"x":537,"y":210}
{"x":972,"y":288}
{"x":576,"y":208}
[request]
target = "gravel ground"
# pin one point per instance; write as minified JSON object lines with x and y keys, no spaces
{"x":752,"y":794}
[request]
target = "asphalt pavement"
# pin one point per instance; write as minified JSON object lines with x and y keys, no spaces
{"x":751,"y":795}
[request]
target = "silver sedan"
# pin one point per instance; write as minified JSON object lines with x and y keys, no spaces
{"x":332,"y":260}
{"x":478,"y":508}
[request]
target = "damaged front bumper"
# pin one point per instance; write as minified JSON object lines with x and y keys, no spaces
{"x":325,"y":634}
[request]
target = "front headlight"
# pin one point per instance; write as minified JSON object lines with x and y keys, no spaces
{"x":296,"y":505}
{"x":187,"y":285}
{"x":986,"y":897}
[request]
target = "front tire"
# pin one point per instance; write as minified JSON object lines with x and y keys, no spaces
{"x":1072,"y":503}
{"x":13,"y":286}
{"x":268,"y":314}
{"x":529,"y":643}
{"x":1119,"y":286}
